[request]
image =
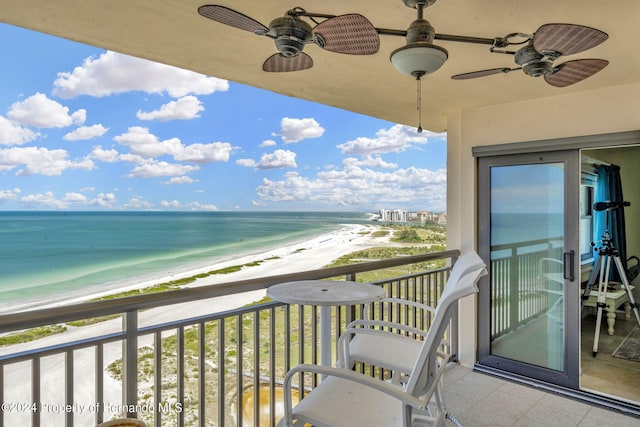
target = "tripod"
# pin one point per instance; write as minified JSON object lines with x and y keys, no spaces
{"x":600,"y":271}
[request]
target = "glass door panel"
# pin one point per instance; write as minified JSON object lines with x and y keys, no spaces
{"x":527,"y":247}
{"x":529,"y":313}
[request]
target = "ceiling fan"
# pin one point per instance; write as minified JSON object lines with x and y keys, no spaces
{"x":354,"y":34}
{"x":351,"y":34}
{"x":549,"y":42}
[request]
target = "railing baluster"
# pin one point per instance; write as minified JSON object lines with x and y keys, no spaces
{"x":180,"y":354}
{"x":301,"y":344}
{"x":287,"y":337}
{"x":35,"y":391}
{"x":157,"y":379}
{"x":68,"y":386}
{"x":99,"y":383}
{"x":130,"y":362}
{"x":221,"y":379}
{"x":256,"y":368}
{"x":239,"y":370}
{"x":272,"y":366}
{"x":2,"y":393}
{"x":201,"y":373}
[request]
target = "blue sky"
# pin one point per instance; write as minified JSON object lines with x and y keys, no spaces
{"x":82,"y":128}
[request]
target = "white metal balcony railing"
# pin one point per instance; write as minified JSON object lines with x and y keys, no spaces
{"x":218,"y":369}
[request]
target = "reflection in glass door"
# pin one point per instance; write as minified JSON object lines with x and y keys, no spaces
{"x":527,"y":230}
{"x":531,"y":263}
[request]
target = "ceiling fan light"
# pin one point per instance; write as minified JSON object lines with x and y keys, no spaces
{"x":419,"y":58}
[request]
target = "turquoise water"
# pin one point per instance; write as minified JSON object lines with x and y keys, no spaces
{"x":45,"y":253}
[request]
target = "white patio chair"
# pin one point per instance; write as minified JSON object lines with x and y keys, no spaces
{"x":391,"y":345}
{"x":346,"y":398}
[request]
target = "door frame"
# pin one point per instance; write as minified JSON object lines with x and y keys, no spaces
{"x":569,"y":376}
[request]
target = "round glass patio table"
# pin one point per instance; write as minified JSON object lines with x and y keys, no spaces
{"x":325,"y":294}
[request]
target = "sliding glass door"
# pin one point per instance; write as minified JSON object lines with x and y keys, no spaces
{"x":529,"y":322}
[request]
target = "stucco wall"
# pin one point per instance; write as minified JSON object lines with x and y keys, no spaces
{"x":616,"y":109}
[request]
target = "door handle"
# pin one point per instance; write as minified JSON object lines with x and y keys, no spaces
{"x":568,"y":270}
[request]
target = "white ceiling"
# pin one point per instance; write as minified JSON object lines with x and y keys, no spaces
{"x":172,"y":32}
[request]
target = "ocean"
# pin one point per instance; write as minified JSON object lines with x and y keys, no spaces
{"x":47,"y":253}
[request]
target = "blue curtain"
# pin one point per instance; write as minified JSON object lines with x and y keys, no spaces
{"x":609,"y":188}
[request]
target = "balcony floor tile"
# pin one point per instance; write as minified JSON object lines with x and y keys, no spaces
{"x":480,"y":400}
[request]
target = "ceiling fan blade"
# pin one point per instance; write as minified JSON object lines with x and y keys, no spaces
{"x":575,"y":71}
{"x":482,"y":73}
{"x":567,"y":39}
{"x":230,"y":17}
{"x":277,"y":63}
{"x":352,"y":34}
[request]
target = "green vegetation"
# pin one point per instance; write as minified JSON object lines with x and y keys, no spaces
{"x":162,"y":287}
{"x":430,"y":233}
{"x":91,"y":321}
{"x":381,"y":233}
{"x":387,"y":252}
{"x":408,"y":235}
{"x":409,"y":239}
{"x":31,"y":334}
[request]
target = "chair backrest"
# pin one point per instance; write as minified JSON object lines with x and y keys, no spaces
{"x":424,"y":370}
{"x":465,"y":264}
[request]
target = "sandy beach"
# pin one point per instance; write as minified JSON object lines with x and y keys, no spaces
{"x":308,"y":255}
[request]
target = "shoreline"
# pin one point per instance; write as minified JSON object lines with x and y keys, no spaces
{"x":307,"y":254}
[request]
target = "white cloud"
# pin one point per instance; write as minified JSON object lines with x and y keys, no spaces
{"x":185,"y":108}
{"x":362,"y":188}
{"x":48,"y":200}
{"x":156,"y":169}
{"x":171,"y":204}
{"x":181,"y":180}
{"x":395,"y":139}
{"x":42,"y":112}
{"x":368,"y":161}
{"x":105,"y":200}
{"x":294,"y":130}
{"x":9,"y":194}
{"x":103,"y":155}
{"x":247,"y":163}
{"x":277,"y":159}
{"x":84,"y":133}
{"x":44,"y":200}
{"x":204,"y":153}
{"x":75,"y":198}
{"x":113,"y":73}
{"x":40,"y":161}
{"x":14,"y":134}
{"x":194,"y":206}
{"x":141,"y":142}
{"x":138,"y":204}
{"x":268,"y":143}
